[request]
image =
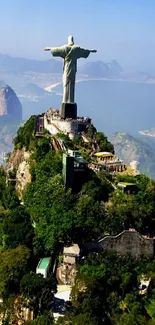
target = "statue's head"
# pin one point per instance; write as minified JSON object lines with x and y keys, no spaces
{"x":70,"y":40}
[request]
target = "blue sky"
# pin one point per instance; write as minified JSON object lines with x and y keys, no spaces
{"x":119,"y":29}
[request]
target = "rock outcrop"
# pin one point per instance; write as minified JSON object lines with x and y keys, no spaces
{"x":18,"y":168}
{"x":10,"y":104}
{"x":142,"y":149}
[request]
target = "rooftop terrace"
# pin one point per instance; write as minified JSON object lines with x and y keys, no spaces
{"x":43,"y":264}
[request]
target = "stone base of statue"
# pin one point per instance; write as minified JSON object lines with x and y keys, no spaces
{"x":68,"y":110}
{"x":68,"y":123}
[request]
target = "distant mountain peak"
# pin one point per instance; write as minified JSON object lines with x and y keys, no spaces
{"x":17,"y":64}
{"x":100,"y":69}
{"x":123,"y":136}
{"x":129,"y":148}
{"x":9,"y":103}
{"x":32,"y":89}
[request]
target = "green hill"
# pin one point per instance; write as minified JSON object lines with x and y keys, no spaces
{"x":106,"y":287}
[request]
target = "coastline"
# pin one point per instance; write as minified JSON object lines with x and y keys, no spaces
{"x":55,"y":84}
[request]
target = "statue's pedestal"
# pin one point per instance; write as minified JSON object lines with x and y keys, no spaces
{"x":68,"y":110}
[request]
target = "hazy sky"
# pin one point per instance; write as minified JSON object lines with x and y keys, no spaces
{"x":119,"y":29}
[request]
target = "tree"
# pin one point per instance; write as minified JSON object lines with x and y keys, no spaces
{"x":88,"y":218}
{"x":38,"y":291}
{"x":17,"y":229}
{"x":43,"y":146}
{"x":106,"y":287}
{"x":53,"y":217}
{"x":97,"y":188}
{"x":119,"y":212}
{"x":91,"y":131}
{"x":132,"y":211}
{"x":130,"y":319}
{"x":26,"y":134}
{"x":8,"y":195}
{"x":2,"y":183}
{"x":12,"y":268}
{"x":41,"y":320}
{"x":80,"y":319}
{"x":103,"y":142}
{"x":7,"y":311}
{"x":10,"y":199}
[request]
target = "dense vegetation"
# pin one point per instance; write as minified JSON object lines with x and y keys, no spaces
{"x":106,"y":285}
{"x":26,"y":135}
{"x":106,"y":291}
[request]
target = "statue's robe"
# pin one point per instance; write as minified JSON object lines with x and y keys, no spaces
{"x":70,"y":54}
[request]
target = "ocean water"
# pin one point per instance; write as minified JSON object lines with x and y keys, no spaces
{"x":114,"y":106}
{"x":117,"y":106}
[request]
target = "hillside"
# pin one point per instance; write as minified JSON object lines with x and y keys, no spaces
{"x":100,"y":69}
{"x":51,"y":218}
{"x":131,"y":148}
{"x":17,"y":64}
{"x":32,"y":90}
{"x":92,"y":69}
{"x":40,"y":218}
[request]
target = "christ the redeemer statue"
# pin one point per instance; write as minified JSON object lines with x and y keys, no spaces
{"x":70,"y":53}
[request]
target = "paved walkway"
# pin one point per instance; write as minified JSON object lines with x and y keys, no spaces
{"x":63,"y":288}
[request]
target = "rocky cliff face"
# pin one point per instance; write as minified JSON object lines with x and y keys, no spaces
{"x":18,"y":167}
{"x":10,"y":104}
{"x":130,"y":148}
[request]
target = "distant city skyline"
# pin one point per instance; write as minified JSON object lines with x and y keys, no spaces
{"x":119,"y":29}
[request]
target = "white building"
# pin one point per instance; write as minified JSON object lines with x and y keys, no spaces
{"x":55,"y":124}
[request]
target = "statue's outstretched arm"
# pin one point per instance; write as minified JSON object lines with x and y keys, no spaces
{"x":93,"y":51}
{"x":47,"y":48}
{"x":57,"y":51}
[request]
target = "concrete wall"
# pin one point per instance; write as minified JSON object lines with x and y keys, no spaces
{"x":67,"y":126}
{"x":42,"y":271}
{"x":50,"y":127}
{"x":128,"y":242}
{"x":56,"y":126}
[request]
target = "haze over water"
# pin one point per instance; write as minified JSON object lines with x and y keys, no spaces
{"x":114,"y":106}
